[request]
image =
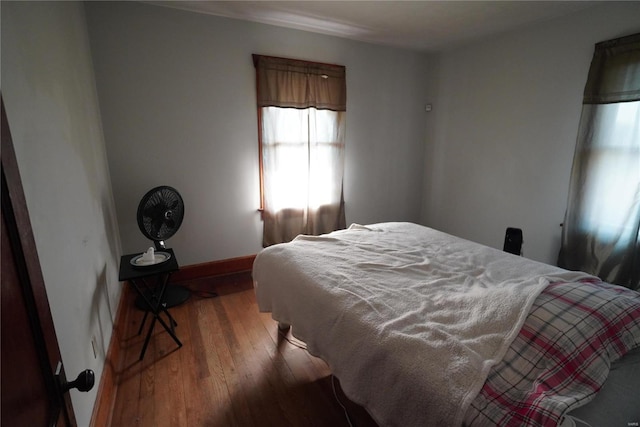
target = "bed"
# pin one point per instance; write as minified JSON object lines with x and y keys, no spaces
{"x":423,"y":328}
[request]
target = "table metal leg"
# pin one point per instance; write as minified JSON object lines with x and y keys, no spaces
{"x":155,"y":306}
{"x":144,"y":319}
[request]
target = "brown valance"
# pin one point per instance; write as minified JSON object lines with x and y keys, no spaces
{"x":614,"y":75}
{"x":292,"y":83}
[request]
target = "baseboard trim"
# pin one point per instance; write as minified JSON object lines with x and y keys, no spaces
{"x":213,"y":268}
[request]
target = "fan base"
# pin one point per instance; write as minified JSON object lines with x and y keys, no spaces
{"x":173,"y":295}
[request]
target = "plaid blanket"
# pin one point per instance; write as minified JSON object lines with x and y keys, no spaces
{"x":562,"y":355}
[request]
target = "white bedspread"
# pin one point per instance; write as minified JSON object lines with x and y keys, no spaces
{"x":408,"y":318}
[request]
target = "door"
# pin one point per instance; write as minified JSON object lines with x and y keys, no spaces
{"x":32,"y":375}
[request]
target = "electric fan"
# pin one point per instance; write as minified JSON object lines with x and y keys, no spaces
{"x":160,"y":214}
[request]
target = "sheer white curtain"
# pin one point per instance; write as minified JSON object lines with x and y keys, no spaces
{"x":303,"y":164}
{"x":602,"y":222}
{"x":303,"y":157}
{"x":302,"y":121}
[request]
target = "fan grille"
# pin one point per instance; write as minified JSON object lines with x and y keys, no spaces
{"x":160,"y":213}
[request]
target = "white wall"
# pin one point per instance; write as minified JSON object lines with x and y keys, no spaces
{"x":177,"y":95}
{"x":506,"y":115}
{"x":49,"y":93}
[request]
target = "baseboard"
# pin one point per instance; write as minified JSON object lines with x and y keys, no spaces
{"x":108,"y":386}
{"x":213,"y":268}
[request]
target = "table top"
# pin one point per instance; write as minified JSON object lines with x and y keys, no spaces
{"x":130,"y":272}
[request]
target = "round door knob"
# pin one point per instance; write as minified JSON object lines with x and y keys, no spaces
{"x":84,"y":382}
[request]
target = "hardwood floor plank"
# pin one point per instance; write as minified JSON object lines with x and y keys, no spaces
{"x":219,"y":391}
{"x":169,"y":396}
{"x":276,"y":370}
{"x":258,"y":392}
{"x":146,"y":410}
{"x":310,"y":372}
{"x":308,"y":378}
{"x":213,"y":389}
{"x":235,"y":372}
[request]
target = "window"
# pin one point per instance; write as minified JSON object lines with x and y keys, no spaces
{"x":611,"y":184}
{"x":302,"y":148}
{"x":302,"y":118}
{"x":601,"y":233}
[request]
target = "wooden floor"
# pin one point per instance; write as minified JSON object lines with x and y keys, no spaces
{"x":233,"y":369}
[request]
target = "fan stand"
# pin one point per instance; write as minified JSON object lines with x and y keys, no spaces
{"x":173,"y":295}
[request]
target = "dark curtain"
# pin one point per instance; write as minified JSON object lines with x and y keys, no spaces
{"x":602,"y":222}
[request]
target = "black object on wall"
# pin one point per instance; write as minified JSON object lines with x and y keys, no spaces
{"x":513,"y":241}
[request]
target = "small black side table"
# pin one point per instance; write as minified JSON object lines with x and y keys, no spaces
{"x":151,"y":293}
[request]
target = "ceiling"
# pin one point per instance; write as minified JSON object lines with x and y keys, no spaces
{"x":427,"y":26}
